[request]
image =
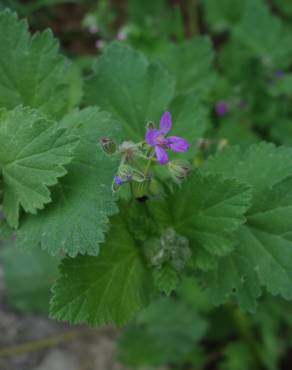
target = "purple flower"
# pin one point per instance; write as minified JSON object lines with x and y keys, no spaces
{"x":93,"y":29}
{"x":221,"y":108}
{"x":279,"y":74}
{"x":121,"y":36}
{"x":157,"y":139}
{"x":99,"y":44}
{"x":119,"y":181}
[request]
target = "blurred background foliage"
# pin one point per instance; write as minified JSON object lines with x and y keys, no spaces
{"x":234,"y":57}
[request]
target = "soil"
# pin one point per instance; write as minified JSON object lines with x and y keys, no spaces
{"x":29,"y":342}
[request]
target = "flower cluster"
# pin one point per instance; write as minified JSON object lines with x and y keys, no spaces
{"x":170,"y":248}
{"x":153,"y":150}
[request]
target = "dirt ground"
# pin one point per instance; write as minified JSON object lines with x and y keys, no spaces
{"x":35,"y":343}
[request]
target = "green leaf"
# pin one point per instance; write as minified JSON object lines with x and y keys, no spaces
{"x":233,"y":275}
{"x":28,"y":278}
{"x":284,"y":6}
{"x":166,"y":332}
{"x":32,"y":72}
{"x":260,"y":32}
{"x":190,"y":121}
{"x":282,"y":132}
{"x":236,"y":131}
{"x":224,"y":14}
{"x":261,"y":166}
{"x":82,"y":202}
{"x":281,"y":87}
{"x":237,"y":356}
{"x":33,"y":152}
{"x":191,"y":64}
{"x":264,"y":251}
{"x":207,"y":210}
{"x":166,"y":279}
{"x":110,"y":288}
{"x":132,"y":89}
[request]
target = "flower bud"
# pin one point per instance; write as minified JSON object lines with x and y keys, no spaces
{"x":154,"y":187}
{"x":154,"y":254}
{"x":150,"y":125}
{"x":179,"y":169}
{"x":140,"y":189}
{"x":129,"y":173}
{"x":108,"y":145}
{"x":222,"y":143}
{"x":125,"y":172}
{"x":129,"y":151}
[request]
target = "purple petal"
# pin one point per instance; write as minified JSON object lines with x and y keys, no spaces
{"x":161,"y":155}
{"x":177,"y":144}
{"x":151,"y":136}
{"x":119,"y":181}
{"x":222,"y":108}
{"x":165,"y":123}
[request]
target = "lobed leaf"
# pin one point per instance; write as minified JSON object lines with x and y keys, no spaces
{"x":207,"y":210}
{"x":33,"y":152}
{"x":191,"y":64}
{"x":77,"y":219}
{"x":264,"y":252}
{"x":32,"y":72}
{"x":110,"y":288}
{"x":133,"y":90}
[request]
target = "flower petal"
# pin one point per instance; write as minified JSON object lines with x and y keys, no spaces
{"x":177,"y":144}
{"x":165,"y":123}
{"x":161,"y":155}
{"x":119,"y":181}
{"x":151,"y":136}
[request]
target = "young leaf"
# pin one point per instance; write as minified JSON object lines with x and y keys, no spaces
{"x":32,"y":72}
{"x":82,"y":202}
{"x":110,"y":288}
{"x":132,"y":89}
{"x":207,"y":210}
{"x":264,"y":252}
{"x":166,"y":279}
{"x":33,"y":152}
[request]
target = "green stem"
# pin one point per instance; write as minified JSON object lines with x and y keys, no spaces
{"x":147,"y":168}
{"x":150,"y":154}
{"x":193,"y":14}
{"x":246,"y":332}
{"x":179,"y":20}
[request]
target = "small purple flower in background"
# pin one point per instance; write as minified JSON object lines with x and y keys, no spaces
{"x":93,"y":29}
{"x":157,"y":139}
{"x":221,"y":108}
{"x":279,"y":74}
{"x":99,"y":44}
{"x":119,"y":181}
{"x":121,"y":36}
